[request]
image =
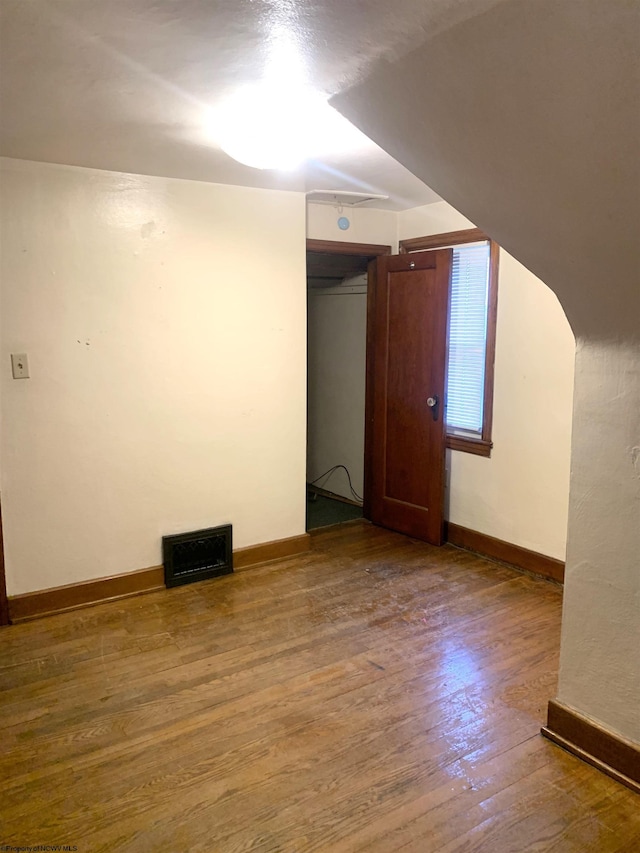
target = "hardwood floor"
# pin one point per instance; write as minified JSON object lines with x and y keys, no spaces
{"x":376,"y":695}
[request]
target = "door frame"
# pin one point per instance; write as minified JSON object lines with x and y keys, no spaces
{"x":373,"y":251}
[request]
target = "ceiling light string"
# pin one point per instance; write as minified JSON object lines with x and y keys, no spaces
{"x":343,"y":221}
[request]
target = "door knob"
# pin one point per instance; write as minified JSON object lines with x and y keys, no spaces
{"x":432,"y":402}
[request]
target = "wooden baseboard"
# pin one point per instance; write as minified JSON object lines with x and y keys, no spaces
{"x":505,"y":552}
{"x":609,"y":752}
{"x":46,"y":602}
{"x":4,"y":601}
{"x":246,"y":558}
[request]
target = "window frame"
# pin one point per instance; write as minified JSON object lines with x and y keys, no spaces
{"x":483,"y":445}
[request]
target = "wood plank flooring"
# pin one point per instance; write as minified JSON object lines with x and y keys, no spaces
{"x":375,"y":695}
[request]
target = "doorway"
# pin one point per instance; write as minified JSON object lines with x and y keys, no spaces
{"x":337,"y":296}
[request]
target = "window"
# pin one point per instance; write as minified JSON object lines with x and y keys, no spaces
{"x":472,"y":327}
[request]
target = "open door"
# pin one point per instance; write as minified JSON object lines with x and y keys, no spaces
{"x":406,"y":375}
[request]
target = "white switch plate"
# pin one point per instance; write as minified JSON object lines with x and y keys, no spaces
{"x":20,"y":365}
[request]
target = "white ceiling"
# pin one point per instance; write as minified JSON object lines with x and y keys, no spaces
{"x":126,"y":85}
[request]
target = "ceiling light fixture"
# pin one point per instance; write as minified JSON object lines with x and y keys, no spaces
{"x":270,"y":126}
{"x":261,"y":127}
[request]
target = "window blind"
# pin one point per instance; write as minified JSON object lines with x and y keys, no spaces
{"x":467,"y":338}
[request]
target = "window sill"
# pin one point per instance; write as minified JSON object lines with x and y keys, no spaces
{"x":478,"y":446}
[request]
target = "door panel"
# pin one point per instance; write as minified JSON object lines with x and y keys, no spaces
{"x":407,"y":353}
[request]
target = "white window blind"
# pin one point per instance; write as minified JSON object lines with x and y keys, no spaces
{"x":467,"y":338}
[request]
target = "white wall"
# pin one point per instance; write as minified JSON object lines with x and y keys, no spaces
{"x":337,"y":348}
{"x":165,"y":326}
{"x":368,"y":225}
{"x":599,"y":678}
{"x":521,"y":493}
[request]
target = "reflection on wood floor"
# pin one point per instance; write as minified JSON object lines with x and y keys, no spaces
{"x":378,"y":694}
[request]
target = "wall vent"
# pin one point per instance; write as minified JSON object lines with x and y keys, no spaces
{"x":197,"y":556}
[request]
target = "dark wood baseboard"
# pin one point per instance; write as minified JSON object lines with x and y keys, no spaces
{"x":4,"y":601}
{"x":505,"y":552}
{"x":278,"y":549}
{"x":46,"y":602}
{"x":609,"y":752}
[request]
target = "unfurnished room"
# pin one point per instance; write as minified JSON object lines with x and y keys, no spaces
{"x":320,"y":426}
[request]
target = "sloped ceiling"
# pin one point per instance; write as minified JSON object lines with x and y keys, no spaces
{"x":125,"y":84}
{"x":527,"y":119}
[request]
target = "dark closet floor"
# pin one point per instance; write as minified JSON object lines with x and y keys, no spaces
{"x":323,"y":511}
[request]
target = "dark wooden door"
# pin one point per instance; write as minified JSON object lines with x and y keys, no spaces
{"x":406,"y":374}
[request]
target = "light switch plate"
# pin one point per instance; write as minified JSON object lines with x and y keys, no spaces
{"x":20,"y":365}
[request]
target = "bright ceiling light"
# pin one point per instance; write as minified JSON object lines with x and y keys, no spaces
{"x":278,"y":127}
{"x":261,"y":127}
{"x":280,"y":122}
